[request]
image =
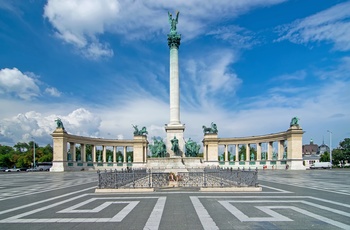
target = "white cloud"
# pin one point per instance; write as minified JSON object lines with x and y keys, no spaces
{"x":13,"y":81}
{"x":296,"y":76}
{"x":97,"y":50}
{"x":339,"y":72}
{"x":331,"y":25}
{"x":79,"y":22}
{"x":52,"y":91}
{"x":237,"y":36}
{"x":25,"y":127}
{"x":210,"y":75}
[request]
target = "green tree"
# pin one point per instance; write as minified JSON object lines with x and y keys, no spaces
{"x":325,"y":157}
{"x":337,"y":156}
{"x":6,"y":150}
{"x":5,"y":160}
{"x":23,"y":147}
{"x":345,"y":148}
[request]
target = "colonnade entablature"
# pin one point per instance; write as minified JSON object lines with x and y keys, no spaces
{"x":73,"y":152}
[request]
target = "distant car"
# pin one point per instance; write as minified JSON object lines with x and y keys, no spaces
{"x":2,"y":169}
{"x":13,"y":170}
{"x":34,"y":170}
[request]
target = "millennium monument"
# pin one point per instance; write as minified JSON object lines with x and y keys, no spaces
{"x":174,"y":130}
{"x":281,"y":150}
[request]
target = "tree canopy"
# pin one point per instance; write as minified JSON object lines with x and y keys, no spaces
{"x":21,"y":154}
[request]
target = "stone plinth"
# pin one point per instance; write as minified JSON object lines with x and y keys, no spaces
{"x":211,"y":147}
{"x":139,"y":148}
{"x":178,"y":132}
{"x":59,"y":163}
{"x":294,"y":147}
{"x":167,"y":164}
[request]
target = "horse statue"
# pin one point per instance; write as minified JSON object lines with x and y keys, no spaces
{"x":192,"y":148}
{"x":212,"y":129}
{"x":143,"y":131}
{"x":294,"y":122}
{"x":158,"y":149}
{"x":59,"y":123}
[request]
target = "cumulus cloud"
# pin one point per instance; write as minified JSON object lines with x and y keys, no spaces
{"x":14,"y":82}
{"x":78,"y":22}
{"x":331,"y":25}
{"x":25,"y":127}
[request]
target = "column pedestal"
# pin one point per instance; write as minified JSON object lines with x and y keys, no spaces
{"x":178,"y":132}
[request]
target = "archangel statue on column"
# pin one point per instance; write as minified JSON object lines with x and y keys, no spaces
{"x":173,"y":22}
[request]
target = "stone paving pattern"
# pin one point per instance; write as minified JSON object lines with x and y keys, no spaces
{"x":312,"y":199}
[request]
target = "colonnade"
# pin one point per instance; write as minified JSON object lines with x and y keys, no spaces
{"x":65,"y":156}
{"x":258,"y":154}
{"x":288,"y":151}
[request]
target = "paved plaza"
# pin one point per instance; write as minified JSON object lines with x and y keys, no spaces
{"x":312,"y":199}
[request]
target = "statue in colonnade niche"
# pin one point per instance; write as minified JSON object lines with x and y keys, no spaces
{"x":109,"y":158}
{"x":252,"y":157}
{"x":231,"y":157}
{"x":274,"y":156}
{"x":99,"y":157}
{"x":143,"y":131}
{"x":89,"y":158}
{"x":129,"y":158}
{"x":294,"y":121}
{"x":192,"y":148}
{"x":59,"y":123}
{"x":120,"y":159}
{"x":213,"y":129}
{"x":158,"y":149}
{"x":242,"y":157}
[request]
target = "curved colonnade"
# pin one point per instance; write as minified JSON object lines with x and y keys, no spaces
{"x":287,"y":153}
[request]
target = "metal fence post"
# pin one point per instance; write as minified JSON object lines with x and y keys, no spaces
{"x":99,"y":179}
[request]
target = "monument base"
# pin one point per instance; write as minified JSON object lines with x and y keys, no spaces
{"x":178,"y":132}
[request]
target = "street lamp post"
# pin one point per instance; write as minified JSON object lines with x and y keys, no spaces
{"x":330,"y":146}
{"x":33,"y":152}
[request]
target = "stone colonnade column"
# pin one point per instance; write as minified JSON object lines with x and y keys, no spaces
{"x":247,"y":152}
{"x":114,"y":154}
{"x":72,"y":150}
{"x":269,"y":150}
{"x":237,"y":154}
{"x":83,"y":152}
{"x":258,"y":151}
{"x":124,"y":153}
{"x":93,"y":150}
{"x":280,"y":149}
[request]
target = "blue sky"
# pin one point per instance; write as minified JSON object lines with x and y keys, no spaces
{"x":247,"y":65}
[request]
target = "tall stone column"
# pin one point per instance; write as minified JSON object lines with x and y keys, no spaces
{"x":174,"y":128}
